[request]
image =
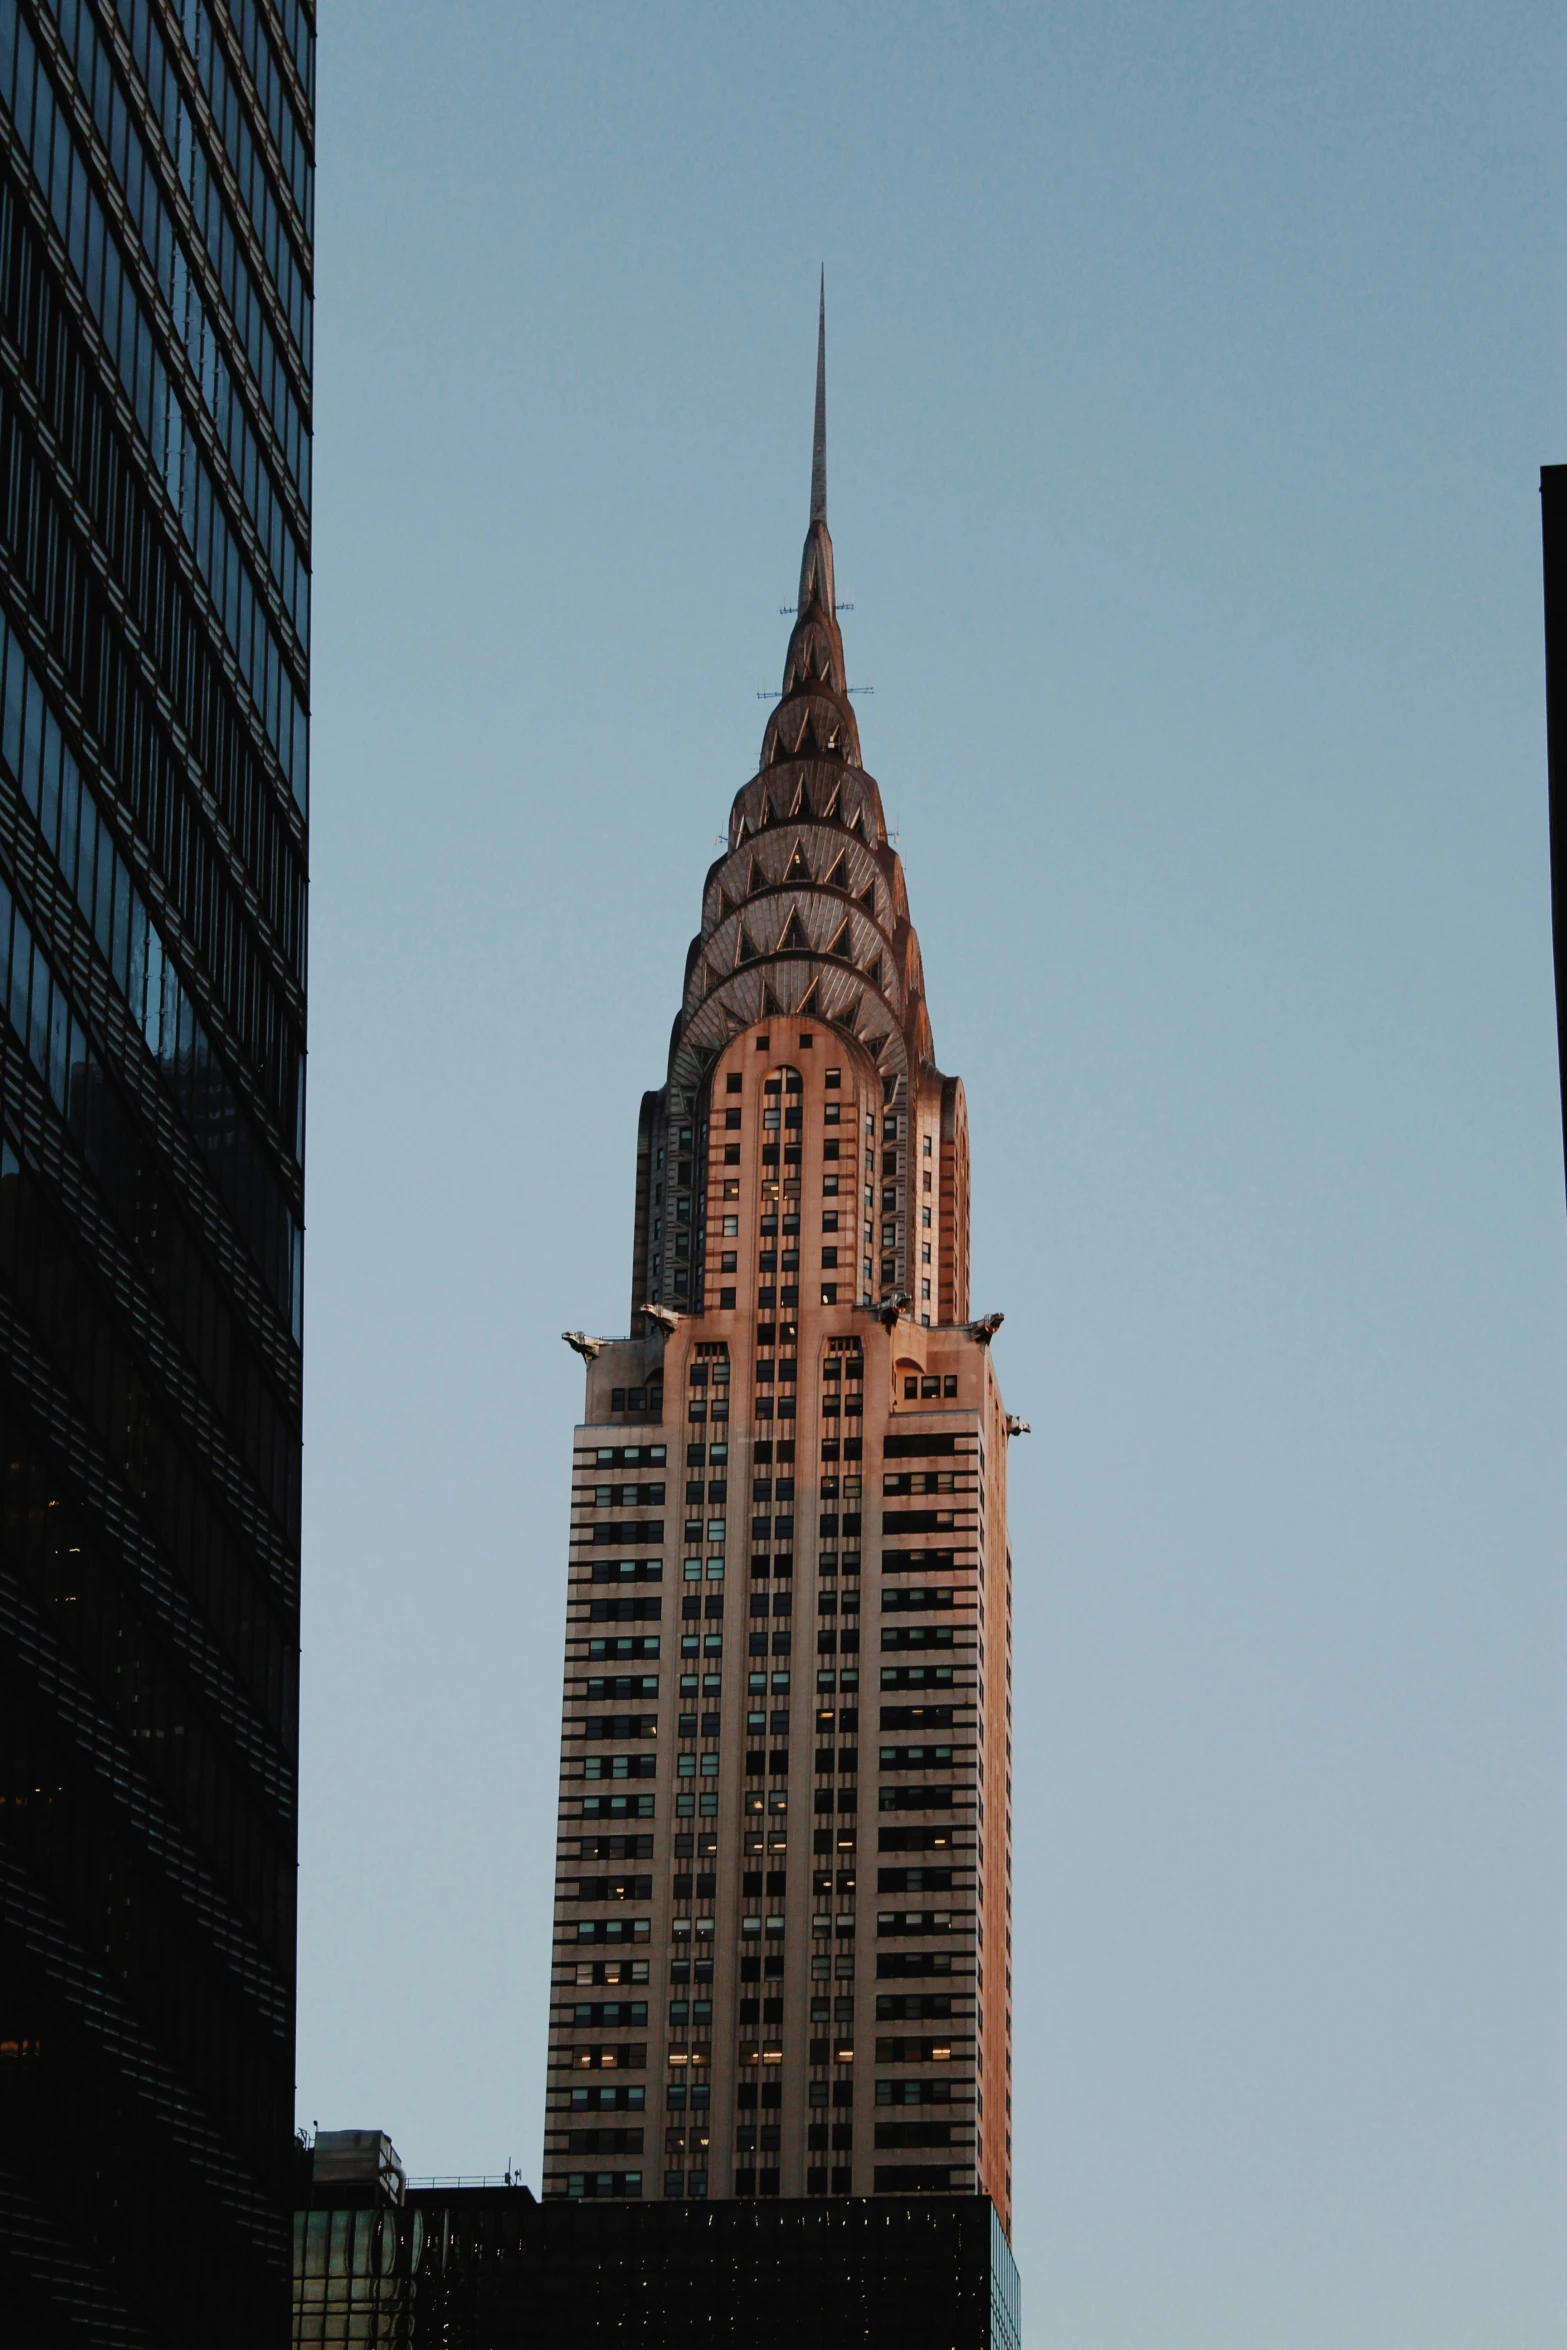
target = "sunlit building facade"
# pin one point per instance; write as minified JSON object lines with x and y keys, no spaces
{"x":156,"y":209}
{"x":782,"y":1959}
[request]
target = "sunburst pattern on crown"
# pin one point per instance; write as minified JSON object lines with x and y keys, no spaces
{"x":805,"y":916}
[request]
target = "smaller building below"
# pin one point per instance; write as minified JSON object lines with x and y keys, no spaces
{"x":387,"y":2266}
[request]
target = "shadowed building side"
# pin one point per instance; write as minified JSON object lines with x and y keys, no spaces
{"x":1553,"y":528}
{"x":156,"y":260}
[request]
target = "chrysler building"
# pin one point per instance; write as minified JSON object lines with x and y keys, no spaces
{"x":782,"y":1940}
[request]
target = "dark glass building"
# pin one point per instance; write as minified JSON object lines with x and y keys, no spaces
{"x":156,"y":203}
{"x":488,"y":2268}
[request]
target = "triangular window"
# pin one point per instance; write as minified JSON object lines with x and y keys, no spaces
{"x":797,"y":869}
{"x":838,"y":878}
{"x":794,"y":940}
{"x":868,"y":897}
{"x":842,"y":947}
{"x":747,"y":952}
{"x":772,"y":1009}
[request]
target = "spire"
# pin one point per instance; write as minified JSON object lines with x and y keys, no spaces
{"x":814,"y":718}
{"x":819,"y":448}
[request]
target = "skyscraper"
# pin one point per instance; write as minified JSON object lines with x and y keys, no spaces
{"x":782,"y":1922}
{"x":155,"y":358}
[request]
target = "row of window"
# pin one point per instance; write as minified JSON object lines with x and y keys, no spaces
{"x":271,"y":86}
{"x":167,"y":808}
{"x":230,"y":118}
{"x":96,"y":1375}
{"x":259,"y":1424}
{"x":40,"y":1013}
{"x":637,"y":1399}
{"x":188,"y":158}
{"x":171,"y":2013}
{"x":47,"y":557}
{"x":129,"y":334}
{"x":144,"y":1660}
{"x":114,"y":909}
{"x":252,"y":469}
{"x":246,"y":158}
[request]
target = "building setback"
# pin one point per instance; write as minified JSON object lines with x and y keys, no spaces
{"x":782,"y":1920}
{"x":156,"y":205}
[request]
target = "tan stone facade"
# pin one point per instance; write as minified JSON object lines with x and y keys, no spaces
{"x":782,"y":1925}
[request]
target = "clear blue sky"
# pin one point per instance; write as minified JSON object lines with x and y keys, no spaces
{"x":1190,"y":368}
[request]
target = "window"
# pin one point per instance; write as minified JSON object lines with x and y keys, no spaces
{"x":830,"y":1222}
{"x":830,"y":1288}
{"x":926,"y":1147}
{"x":830,"y":1257}
{"x":731,"y":1227}
{"x":733,"y":1082}
{"x":732,"y":1119}
{"x":834,"y":1077}
{"x":728,"y":1262}
{"x":831,"y":1113}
